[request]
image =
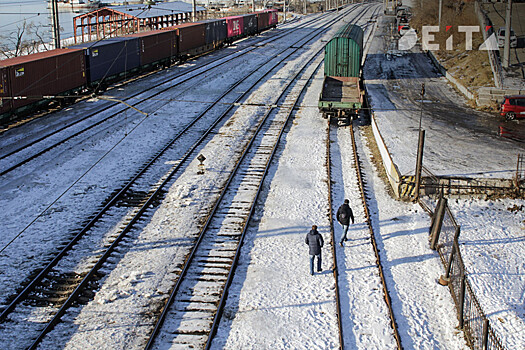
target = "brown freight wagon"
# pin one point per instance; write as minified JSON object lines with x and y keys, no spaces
{"x":157,"y":47}
{"x":33,"y":78}
{"x":191,"y":38}
{"x":263,"y":20}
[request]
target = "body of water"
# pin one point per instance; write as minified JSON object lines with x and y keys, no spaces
{"x":37,"y":17}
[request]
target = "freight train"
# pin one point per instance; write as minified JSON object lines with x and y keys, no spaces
{"x":341,"y":97}
{"x":31,"y":82}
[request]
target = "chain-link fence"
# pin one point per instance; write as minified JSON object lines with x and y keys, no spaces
{"x":444,"y":234}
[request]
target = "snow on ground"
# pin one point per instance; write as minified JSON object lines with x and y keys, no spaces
{"x":146,"y":272}
{"x":492,"y":246}
{"x":280,"y":305}
{"x":492,"y":235}
{"x":273,"y":301}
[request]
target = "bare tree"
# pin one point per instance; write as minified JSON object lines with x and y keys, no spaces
{"x":15,"y":44}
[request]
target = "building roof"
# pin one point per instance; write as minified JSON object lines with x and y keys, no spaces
{"x":157,"y":10}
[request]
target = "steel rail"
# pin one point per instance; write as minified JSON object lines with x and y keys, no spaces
{"x":386,"y":293}
{"x":210,"y":216}
{"x":332,"y":234}
{"x":93,"y":271}
{"x":231,"y":274}
{"x":26,"y":290}
{"x":31,"y":286}
{"x":225,"y":59}
{"x":192,"y":255}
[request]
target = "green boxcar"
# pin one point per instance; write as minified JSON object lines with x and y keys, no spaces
{"x":343,"y":54}
{"x":341,"y":96}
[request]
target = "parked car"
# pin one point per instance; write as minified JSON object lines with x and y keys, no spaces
{"x":501,"y":38}
{"x":513,"y":107}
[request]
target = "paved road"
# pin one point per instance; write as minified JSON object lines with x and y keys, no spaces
{"x":460,"y":141}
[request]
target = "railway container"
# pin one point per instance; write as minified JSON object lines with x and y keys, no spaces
{"x":191,"y":38}
{"x":216,"y":31}
{"x":235,"y":26}
{"x":156,"y":47}
{"x":54,"y":72}
{"x":263,"y":20}
{"x":110,"y":58}
{"x":250,"y":24}
{"x":273,"y":18}
{"x":266,"y":19}
{"x":344,"y":52}
{"x":341,"y":96}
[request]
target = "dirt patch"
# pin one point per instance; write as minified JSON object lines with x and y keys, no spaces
{"x":470,"y":67}
{"x":376,"y":158}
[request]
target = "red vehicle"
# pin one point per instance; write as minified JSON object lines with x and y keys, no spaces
{"x":235,"y":25}
{"x":513,"y":107}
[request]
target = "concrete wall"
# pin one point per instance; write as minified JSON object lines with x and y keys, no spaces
{"x":390,"y":167}
{"x":488,"y":95}
{"x":464,"y":90}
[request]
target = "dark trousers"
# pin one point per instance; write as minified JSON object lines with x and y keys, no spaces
{"x":312,"y":257}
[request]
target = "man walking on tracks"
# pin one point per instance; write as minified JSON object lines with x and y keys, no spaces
{"x":315,"y":243}
{"x":344,"y":214}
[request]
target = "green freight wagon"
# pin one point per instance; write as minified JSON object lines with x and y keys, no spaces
{"x":343,"y":53}
{"x":341,"y":96}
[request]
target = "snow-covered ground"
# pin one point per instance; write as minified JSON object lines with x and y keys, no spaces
{"x":274,"y":302}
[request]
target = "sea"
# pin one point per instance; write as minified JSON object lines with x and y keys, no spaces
{"x":36,"y":15}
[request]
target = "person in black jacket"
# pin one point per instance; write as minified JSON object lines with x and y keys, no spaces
{"x":344,"y":215}
{"x":315,"y":243}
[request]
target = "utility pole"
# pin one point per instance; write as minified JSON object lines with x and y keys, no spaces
{"x":304,"y":9}
{"x":253,"y":5}
{"x":194,"y":10}
{"x":55,"y":24}
{"x":506,"y":48}
{"x":284,"y":10}
{"x":440,"y":8}
{"x":420,"y":147}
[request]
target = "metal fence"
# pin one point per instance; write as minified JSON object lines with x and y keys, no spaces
{"x":444,"y":233}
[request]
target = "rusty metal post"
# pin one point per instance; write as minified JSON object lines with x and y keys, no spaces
{"x":462,"y":302}
{"x":419,"y":163}
{"x":485,"y":337}
{"x":438,"y":223}
{"x":445,"y":280}
{"x":434,"y":216}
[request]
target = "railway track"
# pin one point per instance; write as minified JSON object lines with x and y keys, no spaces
{"x":192,"y":132}
{"x":59,"y":285}
{"x":194,"y":308}
{"x":363,"y":195}
{"x":153,"y":91}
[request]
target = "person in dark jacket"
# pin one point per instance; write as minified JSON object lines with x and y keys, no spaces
{"x":344,"y":215}
{"x":315,"y":243}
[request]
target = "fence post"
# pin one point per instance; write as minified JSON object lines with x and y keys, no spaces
{"x":445,"y":280}
{"x":434,"y":215}
{"x":436,"y":228}
{"x":462,"y":302}
{"x":419,"y":160}
{"x":485,"y":339}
